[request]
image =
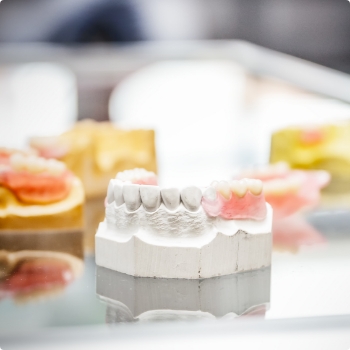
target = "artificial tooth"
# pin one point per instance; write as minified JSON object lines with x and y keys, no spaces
{"x":118,"y":192}
{"x":37,"y":164}
{"x":150,"y":197}
{"x":255,"y":186}
{"x":131,"y":195}
{"x":110,"y":192}
{"x":210,"y":193}
{"x":214,"y":184}
{"x":224,"y":189}
{"x":240,"y":187}
{"x":191,"y":198}
{"x":171,"y":197}
{"x":17,"y":161}
{"x":55,"y":167}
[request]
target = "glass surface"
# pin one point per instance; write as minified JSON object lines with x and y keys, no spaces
{"x":312,"y":281}
{"x":64,"y":289}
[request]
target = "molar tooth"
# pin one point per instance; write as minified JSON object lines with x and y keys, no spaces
{"x":210,"y":193}
{"x":240,"y":187}
{"x":131,"y":195}
{"x":255,"y":186}
{"x":191,"y":198}
{"x":150,"y":196}
{"x":224,"y":189}
{"x":171,"y":197}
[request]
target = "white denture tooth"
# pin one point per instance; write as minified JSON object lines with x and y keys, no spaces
{"x":224,"y":189}
{"x":255,"y":186}
{"x":280,"y":167}
{"x":118,"y":192}
{"x":150,"y":197}
{"x":171,"y":197}
{"x":239,"y":187}
{"x":214,"y":184}
{"x":191,"y":198}
{"x":110,"y":192}
{"x":17,"y":161}
{"x":55,"y":167}
{"x":131,"y":195}
{"x":210,"y":193}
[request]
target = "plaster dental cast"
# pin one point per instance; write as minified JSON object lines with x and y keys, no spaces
{"x":192,"y":232}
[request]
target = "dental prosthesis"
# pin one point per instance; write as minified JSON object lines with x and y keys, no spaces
{"x":96,"y":151}
{"x":192,"y":233}
{"x":289,"y":192}
{"x":38,"y":194}
{"x":318,"y":147}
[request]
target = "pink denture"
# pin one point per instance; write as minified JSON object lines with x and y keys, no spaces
{"x":247,"y":207}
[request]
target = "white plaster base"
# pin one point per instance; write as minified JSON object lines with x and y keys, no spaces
{"x":223,"y":250}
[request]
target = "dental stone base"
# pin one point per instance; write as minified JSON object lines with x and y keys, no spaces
{"x":229,"y":246}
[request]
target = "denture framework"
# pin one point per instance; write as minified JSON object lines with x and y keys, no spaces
{"x":192,"y":233}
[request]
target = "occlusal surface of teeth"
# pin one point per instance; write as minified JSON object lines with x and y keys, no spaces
{"x":224,"y":188}
{"x":131,"y":195}
{"x":171,"y":197}
{"x":239,"y":187}
{"x":255,"y":186}
{"x":150,"y":197}
{"x":191,"y":198}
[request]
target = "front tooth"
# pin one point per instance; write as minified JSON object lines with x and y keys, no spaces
{"x":240,"y":187}
{"x":210,"y":193}
{"x":131,"y":195}
{"x":255,"y":186}
{"x":171,"y":197}
{"x":191,"y":198}
{"x":150,"y":197}
{"x":110,"y":194}
{"x":118,"y":192}
{"x":224,"y":189}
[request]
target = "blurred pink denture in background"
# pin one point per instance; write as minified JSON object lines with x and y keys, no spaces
{"x":289,"y":192}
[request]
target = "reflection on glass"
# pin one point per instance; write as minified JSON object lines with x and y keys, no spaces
{"x":38,"y":264}
{"x":131,"y":298}
{"x":28,"y":275}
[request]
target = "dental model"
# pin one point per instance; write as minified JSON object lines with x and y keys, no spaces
{"x":97,"y":151}
{"x":318,"y":147}
{"x":38,"y":194}
{"x":191,"y":233}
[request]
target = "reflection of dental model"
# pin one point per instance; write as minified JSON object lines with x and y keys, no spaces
{"x":131,"y":298}
{"x":166,"y":232}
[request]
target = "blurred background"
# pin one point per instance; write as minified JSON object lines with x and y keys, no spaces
{"x":314,"y":30}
